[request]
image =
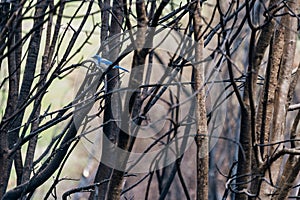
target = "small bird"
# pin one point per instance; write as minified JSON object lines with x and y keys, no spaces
{"x":106,"y":63}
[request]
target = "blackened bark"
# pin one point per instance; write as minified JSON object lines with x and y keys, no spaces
{"x":110,"y":128}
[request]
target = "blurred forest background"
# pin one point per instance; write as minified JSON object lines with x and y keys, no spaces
{"x":212,"y":89}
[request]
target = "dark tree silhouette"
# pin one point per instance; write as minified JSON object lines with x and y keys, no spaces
{"x":207,"y":108}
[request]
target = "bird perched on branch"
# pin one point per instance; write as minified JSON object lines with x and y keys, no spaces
{"x":103,"y":63}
